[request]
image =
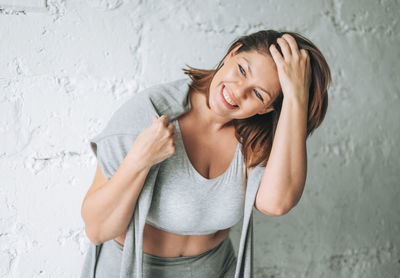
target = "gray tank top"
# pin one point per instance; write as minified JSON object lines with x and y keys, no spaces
{"x":184,"y":202}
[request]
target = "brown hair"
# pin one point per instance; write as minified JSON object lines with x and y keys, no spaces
{"x":256,"y":133}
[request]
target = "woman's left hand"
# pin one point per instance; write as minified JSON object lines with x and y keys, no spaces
{"x":294,"y":69}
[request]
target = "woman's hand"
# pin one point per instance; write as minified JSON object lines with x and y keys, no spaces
{"x":294,"y":69}
{"x":156,"y":142}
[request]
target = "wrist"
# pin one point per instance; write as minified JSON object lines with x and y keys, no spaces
{"x":138,"y":160}
{"x":300,"y":101}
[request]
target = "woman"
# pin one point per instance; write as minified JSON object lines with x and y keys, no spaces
{"x":266,"y":96}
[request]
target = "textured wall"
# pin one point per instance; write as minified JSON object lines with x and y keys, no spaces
{"x":66,"y":66}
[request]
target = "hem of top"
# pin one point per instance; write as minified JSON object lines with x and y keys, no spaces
{"x":179,"y":233}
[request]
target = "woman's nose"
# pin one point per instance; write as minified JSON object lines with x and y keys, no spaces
{"x":240,"y":92}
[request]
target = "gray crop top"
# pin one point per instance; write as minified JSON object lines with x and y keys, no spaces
{"x":184,"y":202}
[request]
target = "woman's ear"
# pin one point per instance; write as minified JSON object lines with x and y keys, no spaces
{"x":233,"y":51}
{"x":266,"y":110}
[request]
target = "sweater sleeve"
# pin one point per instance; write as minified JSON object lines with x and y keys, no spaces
{"x":110,"y":151}
{"x":114,"y":142}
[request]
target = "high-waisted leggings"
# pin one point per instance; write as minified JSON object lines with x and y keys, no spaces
{"x":217,"y":262}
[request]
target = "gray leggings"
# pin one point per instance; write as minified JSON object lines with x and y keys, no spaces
{"x":217,"y":262}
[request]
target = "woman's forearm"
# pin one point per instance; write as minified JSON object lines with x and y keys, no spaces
{"x":107,"y":211}
{"x":284,"y":177}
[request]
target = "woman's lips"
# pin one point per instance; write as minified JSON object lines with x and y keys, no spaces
{"x":223,"y":99}
{"x":230,"y":95}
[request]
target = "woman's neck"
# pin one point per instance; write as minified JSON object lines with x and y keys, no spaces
{"x":205,"y":116}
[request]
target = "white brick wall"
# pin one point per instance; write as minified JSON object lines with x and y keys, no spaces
{"x":66,"y":66}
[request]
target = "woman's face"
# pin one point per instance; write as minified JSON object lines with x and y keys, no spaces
{"x":250,"y":80}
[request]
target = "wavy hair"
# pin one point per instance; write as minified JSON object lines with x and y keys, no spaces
{"x":256,"y":133}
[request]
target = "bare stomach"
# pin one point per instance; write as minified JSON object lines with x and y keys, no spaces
{"x":165,"y":244}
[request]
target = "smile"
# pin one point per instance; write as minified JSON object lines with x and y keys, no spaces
{"x":227,"y":100}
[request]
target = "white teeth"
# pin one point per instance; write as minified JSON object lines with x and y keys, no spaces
{"x":226,"y":96}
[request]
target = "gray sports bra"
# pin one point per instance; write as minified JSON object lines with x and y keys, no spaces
{"x":184,"y":202}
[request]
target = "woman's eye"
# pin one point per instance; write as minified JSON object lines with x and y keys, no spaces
{"x":241,"y":70}
{"x":258,"y":95}
{"x":244,"y":73}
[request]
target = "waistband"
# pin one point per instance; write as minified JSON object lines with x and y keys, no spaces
{"x":224,"y":246}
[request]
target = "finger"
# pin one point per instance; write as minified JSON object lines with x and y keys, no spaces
{"x":154,"y":118}
{"x":276,"y":55}
{"x":164,"y":119}
{"x":308,"y":65}
{"x":306,"y":56}
{"x":171,"y":127}
{"x":294,"y":49}
{"x":304,"y":53}
{"x":285,"y":48}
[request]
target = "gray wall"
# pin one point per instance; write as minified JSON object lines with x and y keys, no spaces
{"x":67,"y":65}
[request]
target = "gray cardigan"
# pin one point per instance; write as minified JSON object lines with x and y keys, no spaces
{"x":112,"y":145}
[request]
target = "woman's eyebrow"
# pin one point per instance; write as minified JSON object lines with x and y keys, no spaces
{"x":249,"y":69}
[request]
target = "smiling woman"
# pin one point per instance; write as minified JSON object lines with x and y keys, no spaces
{"x":248,"y":74}
{"x":248,"y":88}
{"x":257,"y":107}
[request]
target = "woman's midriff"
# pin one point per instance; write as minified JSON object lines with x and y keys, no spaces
{"x":165,"y":244}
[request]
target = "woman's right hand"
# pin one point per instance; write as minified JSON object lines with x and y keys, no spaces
{"x":156,"y":142}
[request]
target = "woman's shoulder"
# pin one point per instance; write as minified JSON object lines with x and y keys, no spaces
{"x":137,"y":112}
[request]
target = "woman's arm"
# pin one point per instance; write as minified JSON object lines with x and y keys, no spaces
{"x":285,"y":174}
{"x":109,"y":205}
